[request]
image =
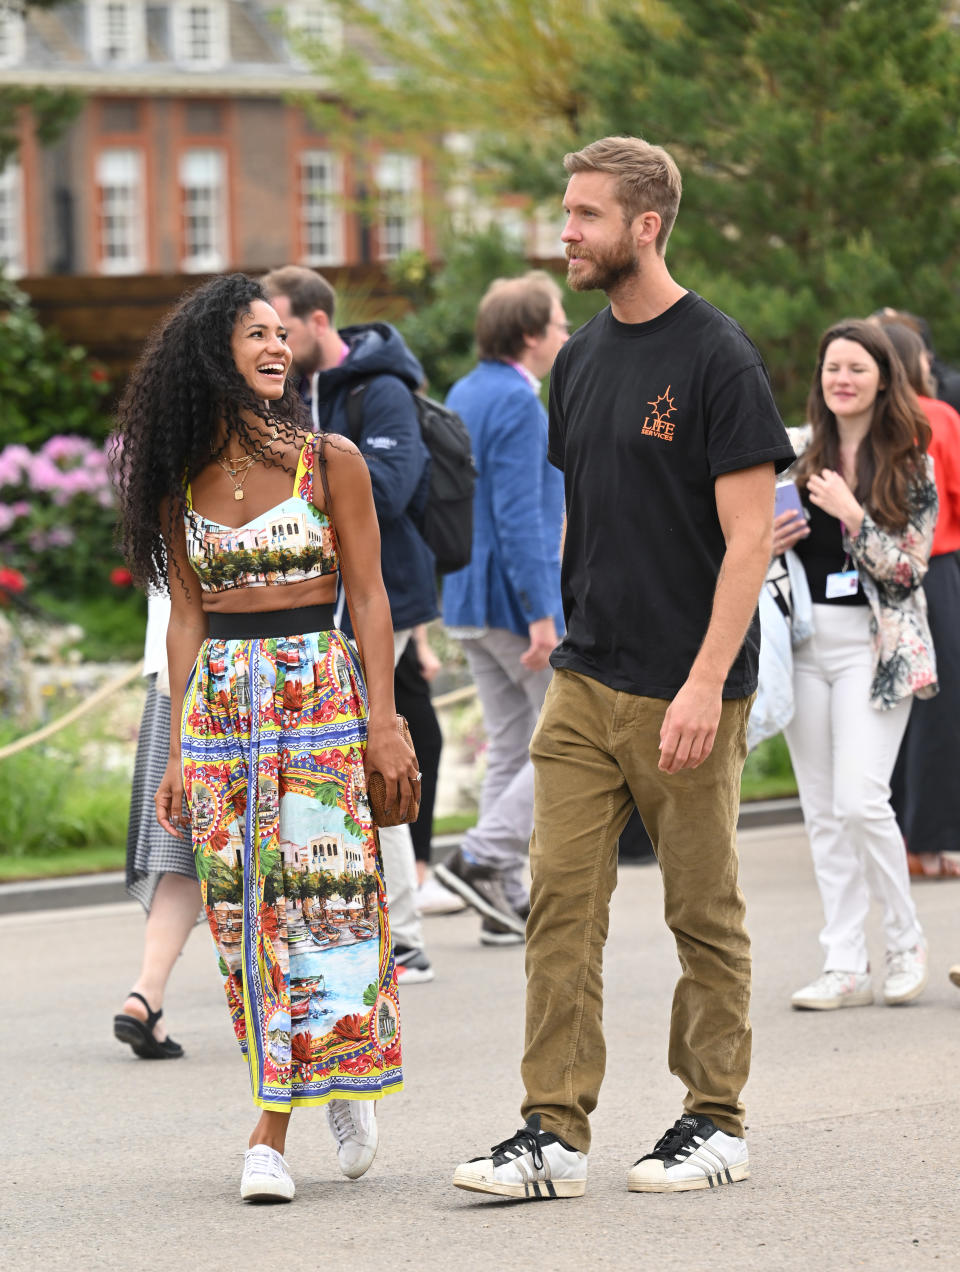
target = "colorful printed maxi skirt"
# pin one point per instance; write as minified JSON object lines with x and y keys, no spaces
{"x":273,"y":733}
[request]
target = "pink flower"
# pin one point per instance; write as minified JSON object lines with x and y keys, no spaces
{"x":121,"y":577}
{"x":7,"y":517}
{"x":21,"y":508}
{"x":44,"y":474}
{"x":66,"y":447}
{"x":12,"y":580}
{"x":15,"y":461}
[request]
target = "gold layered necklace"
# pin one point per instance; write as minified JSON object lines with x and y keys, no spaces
{"x":244,"y":465}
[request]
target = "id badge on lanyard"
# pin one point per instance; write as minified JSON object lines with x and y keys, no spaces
{"x":845,"y":582}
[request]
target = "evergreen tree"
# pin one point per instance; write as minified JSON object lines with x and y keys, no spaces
{"x":818,"y":141}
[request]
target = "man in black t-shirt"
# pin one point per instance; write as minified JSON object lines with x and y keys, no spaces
{"x":663,"y":423}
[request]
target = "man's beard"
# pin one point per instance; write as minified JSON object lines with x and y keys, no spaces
{"x":312,"y":361}
{"x":605,"y":273}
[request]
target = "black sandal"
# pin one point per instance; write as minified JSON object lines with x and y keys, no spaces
{"x":139,"y":1034}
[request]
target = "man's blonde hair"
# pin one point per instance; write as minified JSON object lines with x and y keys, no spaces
{"x":648,"y":180}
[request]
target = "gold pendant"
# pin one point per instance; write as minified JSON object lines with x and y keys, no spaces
{"x":238,"y":494}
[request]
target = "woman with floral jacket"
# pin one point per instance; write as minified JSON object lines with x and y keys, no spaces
{"x":871,"y":506}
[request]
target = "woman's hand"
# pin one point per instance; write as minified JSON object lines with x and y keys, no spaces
{"x":169,"y":800}
{"x":388,"y":754}
{"x":830,"y":492}
{"x":788,"y":528}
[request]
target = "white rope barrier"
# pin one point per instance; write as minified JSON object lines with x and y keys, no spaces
{"x":105,"y":691}
{"x":81,"y":709}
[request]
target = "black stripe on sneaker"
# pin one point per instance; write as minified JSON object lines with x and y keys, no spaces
{"x":712,"y":1181}
{"x":726,"y":1171}
{"x":551,"y":1191}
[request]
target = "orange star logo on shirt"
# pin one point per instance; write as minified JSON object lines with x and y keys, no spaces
{"x":659,"y":423}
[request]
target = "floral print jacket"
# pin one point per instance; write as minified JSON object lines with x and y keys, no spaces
{"x":891,"y":568}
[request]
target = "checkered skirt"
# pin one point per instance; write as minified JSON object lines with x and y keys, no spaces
{"x":151,"y":852}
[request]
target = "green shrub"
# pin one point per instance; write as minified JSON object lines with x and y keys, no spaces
{"x":46,"y":385}
{"x":53,"y":799}
{"x":768,"y":773}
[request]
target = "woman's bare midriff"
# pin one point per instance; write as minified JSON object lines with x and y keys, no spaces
{"x":273,"y":596}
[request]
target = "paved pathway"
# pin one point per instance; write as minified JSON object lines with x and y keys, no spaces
{"x":113,"y":1163}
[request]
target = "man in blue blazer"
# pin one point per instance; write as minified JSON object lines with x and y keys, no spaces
{"x":505,"y":606}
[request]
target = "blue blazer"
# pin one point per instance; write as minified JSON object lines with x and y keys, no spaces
{"x":513,"y":577}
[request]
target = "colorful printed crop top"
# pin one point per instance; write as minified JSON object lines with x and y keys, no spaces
{"x":288,"y":543}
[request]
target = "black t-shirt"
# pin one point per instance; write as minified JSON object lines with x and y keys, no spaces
{"x":643,"y":418}
{"x":821,"y":553}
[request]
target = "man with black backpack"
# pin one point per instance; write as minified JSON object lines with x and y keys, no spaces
{"x":361,"y":382}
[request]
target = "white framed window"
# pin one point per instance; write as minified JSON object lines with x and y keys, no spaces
{"x":118,"y":34}
{"x":121,"y":209}
{"x":11,"y":220}
{"x":316,"y":22}
{"x":203,"y":203}
{"x":321,"y":215}
{"x":13,"y":36}
{"x":200,"y":34}
{"x":398,"y":187}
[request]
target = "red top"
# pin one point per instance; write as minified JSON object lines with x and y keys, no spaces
{"x":945,"y":449}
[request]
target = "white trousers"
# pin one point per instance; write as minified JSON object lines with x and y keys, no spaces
{"x":400,"y":863}
{"x":843,"y":752}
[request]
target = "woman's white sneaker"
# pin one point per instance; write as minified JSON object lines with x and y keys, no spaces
{"x":906,"y":976}
{"x":533,"y":1165}
{"x":265,"y":1176}
{"x":692,"y":1154}
{"x":354,"y":1127}
{"x":835,"y":989}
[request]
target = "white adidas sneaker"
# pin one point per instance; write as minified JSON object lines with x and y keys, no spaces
{"x":532,"y":1165}
{"x":265,"y":1176}
{"x":354,"y":1127}
{"x":692,"y":1154}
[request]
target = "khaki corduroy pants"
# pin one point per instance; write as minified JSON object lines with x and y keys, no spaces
{"x":595,"y":754}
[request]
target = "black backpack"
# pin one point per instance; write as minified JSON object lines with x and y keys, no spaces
{"x":446,"y":523}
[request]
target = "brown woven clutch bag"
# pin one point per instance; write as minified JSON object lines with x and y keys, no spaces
{"x":377,"y":791}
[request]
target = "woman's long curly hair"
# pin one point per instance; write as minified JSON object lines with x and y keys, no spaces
{"x":891,"y":456}
{"x":184,"y":388}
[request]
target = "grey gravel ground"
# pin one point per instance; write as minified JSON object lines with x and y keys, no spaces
{"x":114,"y":1163}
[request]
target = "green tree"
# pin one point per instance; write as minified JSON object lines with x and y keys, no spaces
{"x":498,"y":70}
{"x":820,"y":152}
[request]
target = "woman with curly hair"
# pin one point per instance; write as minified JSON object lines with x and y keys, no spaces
{"x":272,"y":723}
{"x":866,"y":485}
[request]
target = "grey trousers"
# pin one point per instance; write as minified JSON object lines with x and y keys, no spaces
{"x":511,"y":698}
{"x":399,"y":863}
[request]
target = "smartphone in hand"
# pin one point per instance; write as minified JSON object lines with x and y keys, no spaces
{"x":787,"y":499}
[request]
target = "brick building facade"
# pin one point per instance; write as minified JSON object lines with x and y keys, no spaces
{"x":188,"y":155}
